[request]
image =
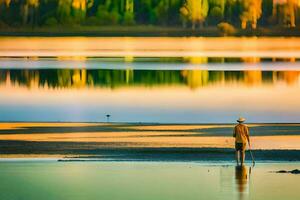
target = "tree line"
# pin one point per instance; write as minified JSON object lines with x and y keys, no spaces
{"x":193,"y":14}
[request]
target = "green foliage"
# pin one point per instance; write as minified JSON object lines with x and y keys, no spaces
{"x":92,"y":21}
{"x":189,"y":13}
{"x":108,"y":78}
{"x":51,"y":21}
{"x":215,"y":15}
{"x":107,"y":18}
{"x":64,"y":11}
{"x":205,"y":8}
{"x":128,"y":19}
{"x":78,"y":15}
{"x":161,"y":12}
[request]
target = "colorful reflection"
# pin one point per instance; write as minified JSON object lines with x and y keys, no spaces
{"x":241,"y":180}
{"x":106,"y":78}
{"x":164,"y":96}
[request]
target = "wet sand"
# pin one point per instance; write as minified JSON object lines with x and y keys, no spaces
{"x":123,"y":141}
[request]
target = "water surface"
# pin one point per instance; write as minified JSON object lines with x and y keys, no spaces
{"x":149,"y":95}
{"x":51,"y":180}
{"x":164,"y":80}
{"x":150,"y":47}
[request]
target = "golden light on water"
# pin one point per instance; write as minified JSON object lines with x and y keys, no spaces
{"x":74,"y":47}
{"x":267,"y":98}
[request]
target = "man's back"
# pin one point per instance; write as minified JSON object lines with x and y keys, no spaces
{"x":241,"y":133}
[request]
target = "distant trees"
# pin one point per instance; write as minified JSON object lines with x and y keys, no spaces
{"x":79,"y":10}
{"x":216,"y":11}
{"x":72,"y":11}
{"x":64,"y":11}
{"x":29,"y":11}
{"x":162,"y":11}
{"x":288,"y":12}
{"x":5,"y":2}
{"x":108,"y":13}
{"x":285,"y":12}
{"x":4,"y":12}
{"x":188,"y":13}
{"x":195,"y":11}
{"x":251,"y":12}
{"x":128,"y":18}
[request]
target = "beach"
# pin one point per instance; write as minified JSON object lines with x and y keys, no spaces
{"x":145,"y":142}
{"x":75,"y":161}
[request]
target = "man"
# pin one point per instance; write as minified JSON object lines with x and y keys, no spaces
{"x":241,"y":134}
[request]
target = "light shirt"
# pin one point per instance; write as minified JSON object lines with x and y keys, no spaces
{"x":241,"y":133}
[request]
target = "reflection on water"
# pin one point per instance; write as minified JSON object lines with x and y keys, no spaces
{"x":79,"y":78}
{"x":241,"y":177}
{"x":50,"y":180}
{"x":236,"y":182}
{"x":177,"y":96}
{"x":241,"y":180}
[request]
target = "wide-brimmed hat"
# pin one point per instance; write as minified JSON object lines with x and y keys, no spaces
{"x":241,"y":119}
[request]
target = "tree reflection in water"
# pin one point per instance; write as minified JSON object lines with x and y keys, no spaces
{"x":81,"y":78}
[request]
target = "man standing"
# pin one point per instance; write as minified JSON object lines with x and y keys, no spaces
{"x":241,"y":134}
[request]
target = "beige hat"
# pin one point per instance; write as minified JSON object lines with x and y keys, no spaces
{"x":241,"y":119}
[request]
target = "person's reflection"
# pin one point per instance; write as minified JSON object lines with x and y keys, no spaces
{"x":241,"y":179}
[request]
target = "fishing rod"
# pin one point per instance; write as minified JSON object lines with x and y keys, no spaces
{"x":253,"y":161}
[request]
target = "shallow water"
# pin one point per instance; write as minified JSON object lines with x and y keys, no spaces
{"x":145,"y":180}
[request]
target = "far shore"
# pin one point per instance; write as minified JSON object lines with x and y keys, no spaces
{"x":142,"y":31}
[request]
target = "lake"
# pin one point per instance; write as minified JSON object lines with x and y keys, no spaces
{"x":147,"y":118}
{"x":46,"y":179}
{"x":148,"y":95}
{"x":162,"y":80}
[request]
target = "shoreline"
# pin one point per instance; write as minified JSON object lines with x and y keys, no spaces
{"x":143,"y":123}
{"x":154,"y":154}
{"x":145,"y":142}
{"x":144,"y":31}
{"x":203,"y":162}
